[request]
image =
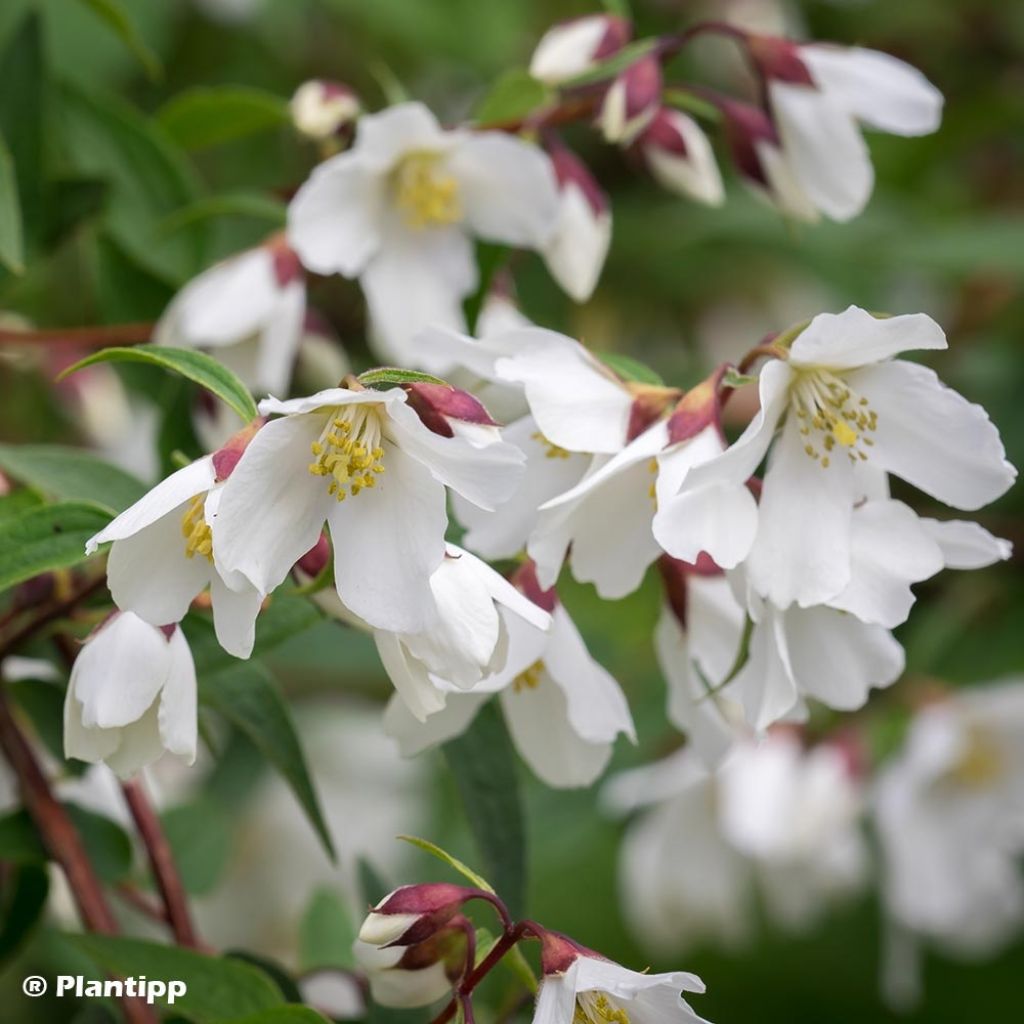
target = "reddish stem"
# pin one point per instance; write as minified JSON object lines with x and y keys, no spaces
{"x":84,"y":337}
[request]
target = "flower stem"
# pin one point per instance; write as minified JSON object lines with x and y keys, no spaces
{"x":161,"y":861}
{"x":84,"y":337}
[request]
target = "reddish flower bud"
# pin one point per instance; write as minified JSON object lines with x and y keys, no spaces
{"x":572,"y":47}
{"x":779,"y":59}
{"x":321,"y":109}
{"x":700,"y":407}
{"x":679,"y":156}
{"x":226,"y":457}
{"x":315,"y":560}
{"x":524,"y":579}
{"x":413,"y":913}
{"x":631,"y":101}
{"x":438,"y":405}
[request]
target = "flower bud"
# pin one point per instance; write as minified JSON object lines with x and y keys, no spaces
{"x":321,"y":109}
{"x":577,"y":251}
{"x":631,"y":102}
{"x":449,"y":411}
{"x":418,"y":975}
{"x":779,"y":59}
{"x":413,"y":913}
{"x":679,"y":156}
{"x":573,"y":47}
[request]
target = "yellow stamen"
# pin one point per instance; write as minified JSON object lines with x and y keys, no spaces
{"x":981,"y":762}
{"x":529,"y":678}
{"x":426,"y":195}
{"x":349,"y":450}
{"x":553,"y":451}
{"x":831,"y":414}
{"x":598,"y":1008}
{"x":194,"y":528}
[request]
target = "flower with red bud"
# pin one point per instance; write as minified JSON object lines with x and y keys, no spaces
{"x":576,"y":253}
{"x":631,"y":101}
{"x":411,"y":914}
{"x":679,"y":156}
{"x":450,"y":411}
{"x":322,"y":109}
{"x":574,"y":47}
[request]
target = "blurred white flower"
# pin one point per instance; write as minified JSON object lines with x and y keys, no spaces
{"x":399,"y":211}
{"x":321,"y":108}
{"x":248,"y":310}
{"x":775,"y":818}
{"x":631,"y":102}
{"x":680,"y":157}
{"x":572,"y":47}
{"x":949,"y":811}
{"x":365,"y":462}
{"x":131,"y":696}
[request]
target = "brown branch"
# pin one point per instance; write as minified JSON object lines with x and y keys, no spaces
{"x":161,"y":861}
{"x":84,"y":337}
{"x":51,"y":613}
{"x":141,"y":902}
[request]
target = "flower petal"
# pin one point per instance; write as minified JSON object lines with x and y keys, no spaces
{"x":576,"y":252}
{"x":234,"y":616}
{"x":967,"y":545}
{"x":418,"y":698}
{"x":384,"y":137}
{"x":719,"y":518}
{"x":177,"y":714}
{"x":765,"y":685}
{"x":279,"y":341}
{"x":415,"y":735}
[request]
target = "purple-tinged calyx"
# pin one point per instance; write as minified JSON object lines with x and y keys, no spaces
{"x":650,"y":402}
{"x":700,"y":407}
{"x":558,"y":952}
{"x":438,"y":404}
{"x":631,"y":101}
{"x":287,"y":267}
{"x":226,"y":457}
{"x":570,"y":170}
{"x":315,"y":560}
{"x":414,"y":913}
{"x":746,"y":129}
{"x":524,"y":579}
{"x":663,"y":133}
{"x":778,"y":59}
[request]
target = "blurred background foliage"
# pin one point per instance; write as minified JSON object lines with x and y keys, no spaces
{"x":129,"y":187}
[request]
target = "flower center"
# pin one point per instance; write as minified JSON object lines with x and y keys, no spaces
{"x":426,"y":195}
{"x":981,"y":763}
{"x":529,"y":678}
{"x":598,"y":1008}
{"x":349,"y":450}
{"x":198,"y":535}
{"x":553,"y":451}
{"x":831,"y":413}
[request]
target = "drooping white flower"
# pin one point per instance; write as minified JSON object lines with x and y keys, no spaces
{"x":847,"y":409}
{"x":631,"y":102}
{"x":774,"y":818}
{"x":563,"y":710}
{"x":572,"y":47}
{"x":580,"y":986}
{"x":821,"y":94}
{"x":408,"y":976}
{"x":249,"y":310}
{"x":680,"y":157}
{"x":400,"y":208}
{"x":131,"y":696}
{"x":162,"y":553}
{"x":365,"y":462}
{"x":320,"y":108}
{"x":949,"y":812}
{"x":577,"y":250}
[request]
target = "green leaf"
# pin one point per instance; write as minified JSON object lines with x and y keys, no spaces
{"x":121,"y":24}
{"x":385,"y":376}
{"x":41,"y":540}
{"x":245,"y":695}
{"x":228,"y":204}
{"x":12,"y":249}
{"x":483,"y":763}
{"x":71,"y":202}
{"x":371,"y":885}
{"x":629,"y":369}
{"x":24,"y":893}
{"x":453,"y":862}
{"x":282,"y":1015}
{"x":219,"y":989}
{"x":203,"y":117}
{"x":326,"y":932}
{"x":195,"y":366}
{"x":71,"y":474}
{"x":512,"y":97}
{"x":200,"y":838}
{"x":16,"y":502}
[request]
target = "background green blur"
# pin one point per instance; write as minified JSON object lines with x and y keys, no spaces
{"x":684,"y":287}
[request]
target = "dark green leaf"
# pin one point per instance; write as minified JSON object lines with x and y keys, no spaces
{"x":71,"y":474}
{"x":16,"y":502}
{"x":245,"y":695}
{"x":281,"y":978}
{"x":453,"y":862}
{"x":200,"y":837}
{"x":219,"y":989}
{"x":514,"y":95}
{"x":41,"y":540}
{"x":326,"y":932}
{"x":72,"y":201}
{"x":12,"y":248}
{"x":371,"y":885}
{"x":121,"y":24}
{"x":228,"y":204}
{"x":385,"y":376}
{"x":204,"y":117}
{"x":196,"y":366}
{"x":25,"y":889}
{"x":127,"y":290}
{"x":483,"y":763}
{"x":629,"y":369}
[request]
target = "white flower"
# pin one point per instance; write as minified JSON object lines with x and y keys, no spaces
{"x":680,"y":157}
{"x":573,"y":47}
{"x":581,"y":987}
{"x":399,"y":210}
{"x":563,"y":710}
{"x":395,"y":982}
{"x":949,"y":811}
{"x":773,"y":817}
{"x":321,"y":108}
{"x":162,"y":557}
{"x":577,"y":250}
{"x":248,"y":309}
{"x":819,"y":96}
{"x":131,"y":696}
{"x":847,"y":410}
{"x":365,"y":462}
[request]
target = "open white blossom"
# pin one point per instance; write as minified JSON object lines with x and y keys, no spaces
{"x":162,"y":557}
{"x":563,"y":710}
{"x":846,"y":409}
{"x":774,"y":818}
{"x":131,"y":696}
{"x":364,"y":462}
{"x":399,"y":211}
{"x":249,"y":310}
{"x":949,"y":810}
